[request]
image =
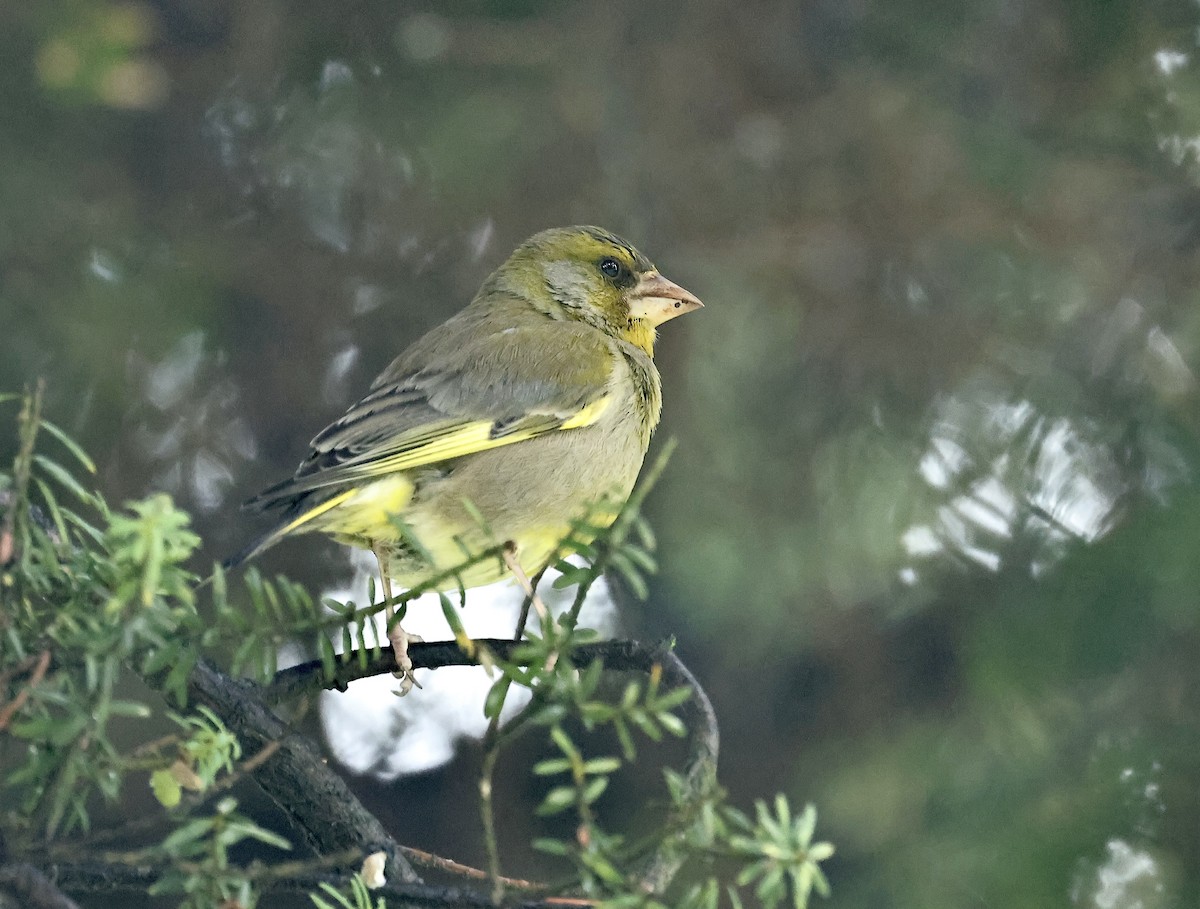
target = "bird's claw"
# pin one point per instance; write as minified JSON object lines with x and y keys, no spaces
{"x":404,"y":665}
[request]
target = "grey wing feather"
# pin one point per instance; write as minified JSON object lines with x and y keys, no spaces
{"x":527,"y":378}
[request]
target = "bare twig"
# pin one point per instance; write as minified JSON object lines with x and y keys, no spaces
{"x":18,"y":669}
{"x":9,"y":710}
{"x":519,"y":631}
{"x":154,"y":746}
{"x":423,"y":859}
{"x":531,"y":594}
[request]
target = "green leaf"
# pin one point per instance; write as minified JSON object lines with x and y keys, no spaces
{"x":551,"y":847}
{"x":632,"y":692}
{"x":594,"y":789}
{"x":802,"y":884}
{"x":564,"y":743}
{"x":572,"y":576}
{"x":243,"y":829}
{"x":90,"y":530}
{"x":673,"y":724}
{"x":557,"y":799}
{"x":672,"y":698}
{"x":327,"y":656}
{"x":589,"y":678}
{"x":130,"y":709}
{"x":450,"y":613}
{"x":646,"y":725}
{"x":602,"y":765}
{"x":64,"y":479}
{"x":639,"y":557}
{"x":818,"y":852}
{"x":549,"y":715}
{"x":820,"y":883}
{"x":166,"y":788}
{"x":56,"y":514}
{"x":805,"y":824}
{"x":784,"y":812}
{"x":602,"y":868}
{"x":188,"y":839}
{"x":494,"y":702}
{"x":628,"y":749}
{"x":704,"y":895}
{"x":69,"y":444}
{"x":551,"y":767}
{"x":644,"y":533}
{"x":630,"y":574}
{"x":750,"y":873}
{"x":771,"y":887}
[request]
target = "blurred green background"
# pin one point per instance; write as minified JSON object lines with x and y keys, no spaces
{"x":931,"y":538}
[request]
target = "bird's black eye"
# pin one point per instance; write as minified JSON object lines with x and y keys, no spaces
{"x":610,"y":266}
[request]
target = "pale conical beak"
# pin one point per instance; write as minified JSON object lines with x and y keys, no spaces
{"x":657,"y":300}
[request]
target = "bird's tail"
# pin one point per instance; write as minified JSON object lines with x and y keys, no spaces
{"x":256,"y":548}
{"x":294,"y":523}
{"x":263,"y":543}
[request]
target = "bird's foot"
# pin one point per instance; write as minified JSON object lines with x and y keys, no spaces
{"x":404,"y":672}
{"x":531,"y":596}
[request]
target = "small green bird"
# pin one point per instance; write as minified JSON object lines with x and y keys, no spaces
{"x":505,"y":423}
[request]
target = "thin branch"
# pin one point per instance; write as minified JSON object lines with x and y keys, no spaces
{"x":487,"y":811}
{"x":17,"y":669}
{"x":423,"y":859}
{"x":531,"y":594}
{"x":9,"y":710}
{"x":154,"y":747}
{"x":523,"y":618}
{"x":701,"y":769}
{"x":491,"y":741}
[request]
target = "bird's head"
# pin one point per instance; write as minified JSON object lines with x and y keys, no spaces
{"x":590,"y":275}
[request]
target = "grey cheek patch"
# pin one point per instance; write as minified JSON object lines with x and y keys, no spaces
{"x":568,"y":282}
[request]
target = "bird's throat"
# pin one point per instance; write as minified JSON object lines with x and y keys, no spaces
{"x":640,"y":333}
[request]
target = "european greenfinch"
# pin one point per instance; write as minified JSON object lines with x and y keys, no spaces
{"x":506,"y":423}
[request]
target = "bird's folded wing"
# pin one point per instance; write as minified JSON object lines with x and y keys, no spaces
{"x":504,"y":388}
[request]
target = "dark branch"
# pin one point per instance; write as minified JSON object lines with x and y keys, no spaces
{"x":92,"y":877}
{"x":27,"y":887}
{"x":297,"y":777}
{"x":333,"y":820}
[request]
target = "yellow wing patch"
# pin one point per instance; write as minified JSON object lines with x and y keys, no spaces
{"x":471,"y":438}
{"x":364,"y":511}
{"x":589,"y":414}
{"x":315,"y":512}
{"x":372,"y":512}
